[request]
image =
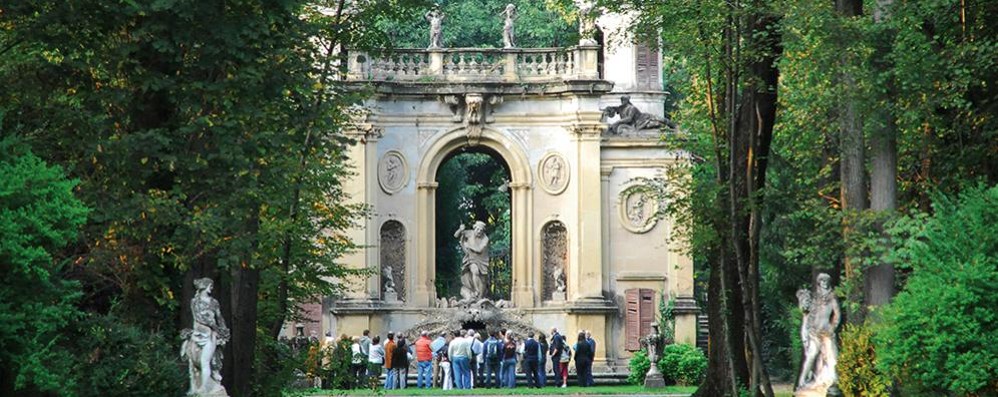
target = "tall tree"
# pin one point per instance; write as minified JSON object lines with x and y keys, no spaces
{"x":852,"y":149}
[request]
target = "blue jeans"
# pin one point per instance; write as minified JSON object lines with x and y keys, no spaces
{"x":462,"y":372}
{"x":391,"y":379}
{"x":492,"y":371}
{"x":425,"y":372}
{"x":509,"y":373}
{"x":542,"y":375}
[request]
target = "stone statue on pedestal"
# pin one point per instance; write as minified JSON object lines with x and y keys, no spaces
{"x":821,"y":318}
{"x":436,"y":19}
{"x":654,"y":378}
{"x":508,"y":37}
{"x":202,"y":346}
{"x":631,"y":119}
{"x":475,"y":265}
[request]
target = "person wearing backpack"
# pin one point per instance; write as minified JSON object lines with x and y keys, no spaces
{"x":493,"y":358}
{"x":563,"y":359}
{"x":557,"y":344}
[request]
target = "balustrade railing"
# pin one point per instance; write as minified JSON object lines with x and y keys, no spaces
{"x":475,"y":64}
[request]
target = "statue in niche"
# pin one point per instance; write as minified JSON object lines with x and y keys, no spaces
{"x":559,"y":279}
{"x":632,"y":119}
{"x":475,"y":265}
{"x":508,"y":37}
{"x":821,"y":318}
{"x":436,"y":19}
{"x":386,"y":274}
{"x":202,"y":346}
{"x":555,"y":253}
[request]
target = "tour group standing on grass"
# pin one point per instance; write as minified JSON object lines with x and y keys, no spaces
{"x":467,"y":359}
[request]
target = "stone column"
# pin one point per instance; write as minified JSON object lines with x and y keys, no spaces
{"x":425,"y":293}
{"x":588,"y":273}
{"x":524,"y":283}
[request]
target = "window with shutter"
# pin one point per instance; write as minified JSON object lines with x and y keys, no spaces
{"x":640,"y":307}
{"x":647,"y":63}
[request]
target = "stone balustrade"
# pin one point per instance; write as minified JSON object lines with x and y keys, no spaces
{"x":475,"y":65}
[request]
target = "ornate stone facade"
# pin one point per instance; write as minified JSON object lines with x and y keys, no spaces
{"x":579,"y":223}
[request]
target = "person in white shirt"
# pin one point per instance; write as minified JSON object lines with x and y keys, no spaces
{"x":375,"y":358}
{"x":460,"y":357}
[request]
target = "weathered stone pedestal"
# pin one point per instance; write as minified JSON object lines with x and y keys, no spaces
{"x":654,"y":378}
{"x":558,"y":296}
{"x":391,"y":297}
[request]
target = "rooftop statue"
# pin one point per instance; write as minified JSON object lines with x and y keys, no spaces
{"x":632,"y":119}
{"x":508,"y":36}
{"x":436,"y":19}
{"x":475,"y":265}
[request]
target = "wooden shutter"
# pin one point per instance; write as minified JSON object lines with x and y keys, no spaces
{"x":647,"y":309}
{"x":640,"y":307}
{"x":632,"y":321}
{"x":647,"y":64}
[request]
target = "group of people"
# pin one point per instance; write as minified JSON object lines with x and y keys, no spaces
{"x":466,"y":359}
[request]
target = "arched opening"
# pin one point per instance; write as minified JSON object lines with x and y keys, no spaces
{"x":473,"y":185}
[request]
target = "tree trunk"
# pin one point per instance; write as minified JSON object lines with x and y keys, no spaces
{"x":879,"y":280}
{"x":726,"y":366}
{"x":853,"y":188}
{"x":243,"y":294}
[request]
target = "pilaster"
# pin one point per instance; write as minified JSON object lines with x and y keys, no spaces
{"x":360,"y":190}
{"x":425,"y":293}
{"x":523,"y":274}
{"x":586,"y":279}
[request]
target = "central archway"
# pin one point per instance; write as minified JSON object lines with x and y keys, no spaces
{"x":439,"y":149}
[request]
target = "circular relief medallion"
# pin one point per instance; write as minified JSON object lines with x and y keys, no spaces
{"x":393,"y":172}
{"x":637,"y":209}
{"x":553,"y":173}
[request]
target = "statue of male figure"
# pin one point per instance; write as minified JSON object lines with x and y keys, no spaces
{"x":436,"y":19}
{"x":203,"y":344}
{"x":475,"y":265}
{"x":821,"y":318}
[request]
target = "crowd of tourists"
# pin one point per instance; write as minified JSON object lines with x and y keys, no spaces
{"x":468,"y":359}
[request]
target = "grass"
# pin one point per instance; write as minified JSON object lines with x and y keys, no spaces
{"x":573,"y":390}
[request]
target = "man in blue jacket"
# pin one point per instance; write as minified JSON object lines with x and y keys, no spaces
{"x":531,"y":355}
{"x":557,"y":345}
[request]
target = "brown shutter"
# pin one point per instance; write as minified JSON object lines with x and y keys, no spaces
{"x":632,"y":320}
{"x":647,"y":309}
{"x":647,"y":63}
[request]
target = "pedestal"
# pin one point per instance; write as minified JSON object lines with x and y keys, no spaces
{"x":558,"y":296}
{"x":391,"y":297}
{"x":654,"y":378}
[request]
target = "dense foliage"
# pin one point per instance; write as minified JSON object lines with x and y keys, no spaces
{"x":638,"y":365}
{"x":478,"y":23}
{"x":38,"y":216}
{"x":208,"y":140}
{"x":940,"y":334}
{"x":859,"y":374}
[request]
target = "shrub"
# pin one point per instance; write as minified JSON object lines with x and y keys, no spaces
{"x":683,"y":364}
{"x":941,"y":332}
{"x":857,"y":366}
{"x":639,"y":366}
{"x":120,"y":359}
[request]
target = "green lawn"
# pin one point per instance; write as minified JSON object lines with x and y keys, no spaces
{"x":597,"y":390}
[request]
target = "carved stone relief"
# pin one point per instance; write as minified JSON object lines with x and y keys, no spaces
{"x":393,"y":172}
{"x":555,"y":260}
{"x":393,"y":259}
{"x":553,"y":173}
{"x":638,"y":208}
